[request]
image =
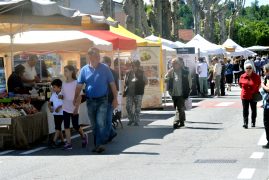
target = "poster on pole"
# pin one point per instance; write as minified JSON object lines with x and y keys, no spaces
{"x":150,"y":62}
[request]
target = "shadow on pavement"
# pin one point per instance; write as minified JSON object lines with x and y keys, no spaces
{"x":202,"y":122}
{"x":204,"y":128}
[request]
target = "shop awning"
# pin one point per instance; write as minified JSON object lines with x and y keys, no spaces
{"x":119,"y":42}
{"x":53,"y":41}
{"x":120,"y":30}
{"x":23,"y":15}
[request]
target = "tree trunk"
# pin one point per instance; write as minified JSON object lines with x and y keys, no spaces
{"x":106,"y":8}
{"x":166,"y":20}
{"x":238,"y":5}
{"x":196,"y":10}
{"x":175,"y":21}
{"x":222,"y":24}
{"x":144,"y":20}
{"x":128,"y":8}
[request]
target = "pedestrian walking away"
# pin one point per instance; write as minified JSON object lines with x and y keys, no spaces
{"x":135,"y":82}
{"x":217,"y":75}
{"x":202,"y":70}
{"x":179,"y":83}
{"x":109,"y":130}
{"x":265,"y":95}
{"x":97,"y":77}
{"x":229,"y":75}
{"x":249,"y":83}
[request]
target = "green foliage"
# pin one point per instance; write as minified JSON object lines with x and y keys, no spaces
{"x":252,"y":28}
{"x":185,"y":16}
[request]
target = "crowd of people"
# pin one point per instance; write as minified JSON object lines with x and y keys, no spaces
{"x":100,"y":85}
{"x":220,"y":74}
{"x":247,"y":74}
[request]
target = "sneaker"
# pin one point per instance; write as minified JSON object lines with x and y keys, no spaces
{"x":130,"y":123}
{"x":252,"y":124}
{"x":100,"y":149}
{"x":53,"y":145}
{"x":181,"y":125}
{"x":266,"y":146}
{"x":85,"y":141}
{"x":245,"y":126}
{"x":67,"y":146}
{"x":61,"y":143}
{"x":136,"y":124}
{"x":112,"y":137}
{"x":175,"y":126}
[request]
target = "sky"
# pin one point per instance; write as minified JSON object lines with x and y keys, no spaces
{"x":261,"y":2}
{"x":248,"y":2}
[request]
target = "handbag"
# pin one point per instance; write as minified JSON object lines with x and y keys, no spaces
{"x":256,"y":97}
{"x":188,"y":104}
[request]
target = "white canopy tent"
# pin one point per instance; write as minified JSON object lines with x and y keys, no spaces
{"x":258,"y":48}
{"x":165,"y":42}
{"x":180,"y":44}
{"x":52,"y":41}
{"x":237,"y":49}
{"x":206,"y":48}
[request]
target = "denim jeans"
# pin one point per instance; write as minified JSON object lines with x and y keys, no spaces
{"x":97,"y":112}
{"x":133,"y":107}
{"x":203,"y":85}
{"x":109,"y":129}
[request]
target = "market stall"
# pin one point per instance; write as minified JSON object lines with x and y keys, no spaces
{"x":149,"y":54}
{"x":121,"y":45}
{"x":68,"y":44}
{"x":204,"y":48}
{"x":233,"y":49}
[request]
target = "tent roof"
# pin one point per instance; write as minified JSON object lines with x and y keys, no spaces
{"x":258,"y":48}
{"x":206,"y":47}
{"x":239,"y":50}
{"x":53,"y":41}
{"x":120,"y":30}
{"x":180,"y":44}
{"x":165,"y":42}
{"x":20,"y":15}
{"x":119,"y":42}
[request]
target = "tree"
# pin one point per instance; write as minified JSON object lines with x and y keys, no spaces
{"x":107,"y":7}
{"x":136,"y":20}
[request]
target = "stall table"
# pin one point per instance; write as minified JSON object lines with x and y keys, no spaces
{"x":22,"y":131}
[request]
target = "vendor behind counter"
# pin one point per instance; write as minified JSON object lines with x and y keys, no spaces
{"x":14,"y":82}
{"x":30,"y":77}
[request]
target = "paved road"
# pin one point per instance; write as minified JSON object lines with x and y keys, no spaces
{"x":213,"y":145}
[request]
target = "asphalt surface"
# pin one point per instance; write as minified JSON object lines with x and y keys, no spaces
{"x":212,"y":145}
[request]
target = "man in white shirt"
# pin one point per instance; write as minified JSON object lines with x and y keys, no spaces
{"x":202,"y":70}
{"x":217,"y":75}
{"x":30,"y":76}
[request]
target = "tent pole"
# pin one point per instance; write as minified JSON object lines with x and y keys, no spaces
{"x":11,"y":46}
{"x":120,"y":88}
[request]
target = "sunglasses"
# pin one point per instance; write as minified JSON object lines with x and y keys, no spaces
{"x":248,"y":68}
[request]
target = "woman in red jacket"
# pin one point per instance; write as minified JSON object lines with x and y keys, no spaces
{"x":250,"y":83}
